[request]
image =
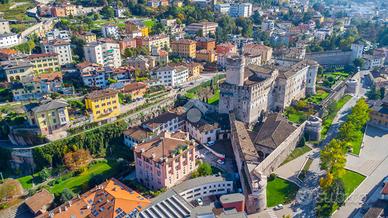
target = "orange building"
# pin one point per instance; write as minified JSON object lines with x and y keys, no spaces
{"x":206,"y":43}
{"x":184,"y":48}
{"x":136,"y":90}
{"x":205,"y":55}
{"x":109,"y":199}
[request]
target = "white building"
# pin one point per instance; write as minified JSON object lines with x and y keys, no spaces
{"x":222,"y":8}
{"x":8,"y":40}
{"x":372,"y":61}
{"x":106,"y":53}
{"x":171,"y":76}
{"x":241,"y":10}
{"x":58,"y":34}
{"x":61,"y":47}
{"x":203,"y":131}
{"x":4,"y":27}
{"x":110,"y":31}
{"x":268,"y":25}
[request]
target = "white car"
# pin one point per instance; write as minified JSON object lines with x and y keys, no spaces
{"x":200,"y":202}
{"x":219,"y":161}
{"x":278,"y":207}
{"x":211,"y":143}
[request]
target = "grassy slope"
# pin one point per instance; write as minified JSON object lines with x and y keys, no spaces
{"x":298,"y":151}
{"x":280,"y":191}
{"x":77,"y":182}
{"x":351,"y":181}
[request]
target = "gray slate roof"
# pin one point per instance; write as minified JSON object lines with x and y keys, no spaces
{"x":52,"y":105}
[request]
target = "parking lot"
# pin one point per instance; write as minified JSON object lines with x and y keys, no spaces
{"x":222,"y":147}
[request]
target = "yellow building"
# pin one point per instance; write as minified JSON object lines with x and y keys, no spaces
{"x":184,"y":48}
{"x":45,"y":63}
{"x":205,"y":55}
{"x":135,"y":25}
{"x":89,"y":37}
{"x":103,"y":105}
{"x":49,"y":117}
{"x":195,"y":69}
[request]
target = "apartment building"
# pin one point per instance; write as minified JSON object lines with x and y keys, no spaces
{"x":206,"y":55}
{"x":206,"y":43}
{"x":141,"y":62}
{"x":256,"y":49}
{"x":58,"y":34}
{"x":60,"y":47}
{"x":88,"y":37}
{"x":8,"y":40}
{"x":63,"y":10}
{"x":103,"y":52}
{"x":171,"y":121}
{"x":103,"y":105}
{"x":45,"y":62}
{"x":110,"y":31}
{"x":165,"y":160}
{"x":109,"y":199}
{"x":50,"y":117}
{"x":195,"y":69}
{"x":240,"y":10}
{"x":137,"y":90}
{"x":204,"y":28}
{"x":184,"y":48}
{"x":36,"y":87}
{"x":157,"y":41}
{"x":18,"y":69}
{"x":171,"y":76}
{"x":136,"y":135}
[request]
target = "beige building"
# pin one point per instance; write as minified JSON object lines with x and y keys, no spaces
{"x":45,"y":63}
{"x":206,"y":55}
{"x":184,"y":48}
{"x":256,"y":49}
{"x":49,"y":117}
{"x":165,"y":160}
{"x":157,"y":41}
{"x":17,"y":70}
{"x":204,"y":28}
{"x":379,"y":114}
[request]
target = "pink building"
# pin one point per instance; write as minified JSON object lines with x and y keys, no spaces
{"x":165,"y":160}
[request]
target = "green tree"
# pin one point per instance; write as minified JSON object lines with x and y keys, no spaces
{"x":204,"y":169}
{"x":66,"y":195}
{"x":359,"y":62}
{"x":360,"y":114}
{"x":107,"y":12}
{"x":347,"y":131}
{"x":333,"y":158}
{"x":44,"y":174}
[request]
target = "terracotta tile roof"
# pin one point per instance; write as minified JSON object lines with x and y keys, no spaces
{"x":107,"y":200}
{"x":7,"y":51}
{"x":50,"y":54}
{"x":48,"y":77}
{"x":164,"y":118}
{"x":138,"y":133}
{"x":184,"y":41}
{"x":39,"y":200}
{"x":134,"y":86}
{"x":164,"y":146}
{"x":55,"y":42}
{"x":101,"y":94}
{"x":273,"y":131}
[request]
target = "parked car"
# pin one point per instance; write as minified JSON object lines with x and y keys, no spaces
{"x":211,"y":143}
{"x":200,"y":202}
{"x":278,"y":207}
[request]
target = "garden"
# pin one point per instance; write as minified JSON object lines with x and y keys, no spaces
{"x":208,"y":91}
{"x":280,"y":191}
{"x":329,"y":79}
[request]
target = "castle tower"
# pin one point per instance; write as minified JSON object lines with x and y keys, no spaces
{"x":357,"y":50}
{"x":235,"y":66}
{"x":311,"y":77}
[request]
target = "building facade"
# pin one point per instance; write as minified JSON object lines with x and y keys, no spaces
{"x":45,"y":62}
{"x":184,"y":48}
{"x":103,"y":105}
{"x":60,"y":47}
{"x":105,"y":53}
{"x":165,"y":160}
{"x":171,"y":76}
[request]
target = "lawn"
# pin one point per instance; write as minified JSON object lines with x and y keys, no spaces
{"x":318,"y":97}
{"x":331,"y":78}
{"x":280,"y":191}
{"x":215,"y":98}
{"x":297,"y":152}
{"x":357,"y":141}
{"x":328,"y":120}
{"x":17,"y":13}
{"x":76,"y":183}
{"x":26,"y":181}
{"x":351,"y":181}
{"x":149,"y":23}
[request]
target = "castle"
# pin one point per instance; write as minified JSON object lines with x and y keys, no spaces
{"x":252,"y":90}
